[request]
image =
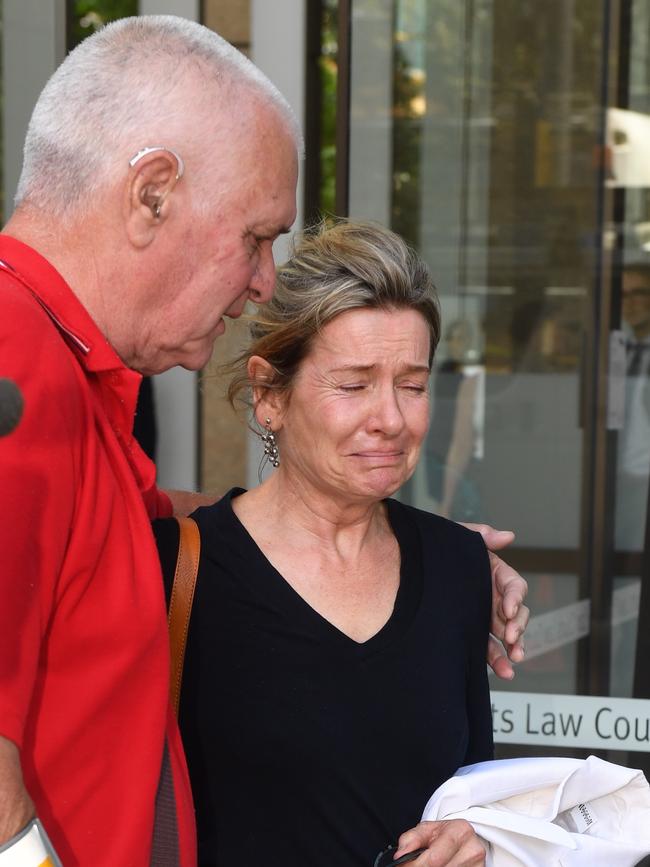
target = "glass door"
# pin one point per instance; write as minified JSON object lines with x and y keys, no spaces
{"x":507,"y":140}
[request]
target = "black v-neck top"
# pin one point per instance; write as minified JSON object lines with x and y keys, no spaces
{"x":305,"y":747}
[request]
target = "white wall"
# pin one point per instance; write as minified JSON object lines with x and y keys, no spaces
{"x":33,"y":45}
{"x":184,"y":8}
{"x":278,"y":48}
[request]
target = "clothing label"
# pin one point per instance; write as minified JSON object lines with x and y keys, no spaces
{"x":584,"y":817}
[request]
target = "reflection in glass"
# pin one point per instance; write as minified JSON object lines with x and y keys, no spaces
{"x":455,"y":439}
{"x":633,"y":457}
{"x":488,"y":118}
{"x":491,"y":112}
{"x":629,"y":142}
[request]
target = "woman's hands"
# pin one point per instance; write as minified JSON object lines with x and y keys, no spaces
{"x":450,"y":843}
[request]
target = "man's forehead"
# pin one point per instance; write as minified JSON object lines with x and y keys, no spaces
{"x":272,"y":213}
{"x":262,"y":178}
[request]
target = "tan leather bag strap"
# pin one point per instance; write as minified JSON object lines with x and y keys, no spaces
{"x":180,"y":603}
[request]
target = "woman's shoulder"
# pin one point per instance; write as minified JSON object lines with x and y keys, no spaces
{"x":455,"y":560}
{"x":213,"y":521}
{"x":434,"y":526}
{"x":450,"y":546}
{"x":218,"y":533}
{"x":217,"y":513}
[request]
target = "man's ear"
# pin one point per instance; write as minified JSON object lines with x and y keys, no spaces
{"x":267,"y":402}
{"x":147,"y":203}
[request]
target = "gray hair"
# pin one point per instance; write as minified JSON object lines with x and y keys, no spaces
{"x":122,"y":89}
{"x":334,"y":268}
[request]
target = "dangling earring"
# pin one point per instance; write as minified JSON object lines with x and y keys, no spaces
{"x":271,"y":453}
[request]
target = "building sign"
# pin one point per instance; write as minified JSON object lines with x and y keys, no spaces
{"x":573,"y":721}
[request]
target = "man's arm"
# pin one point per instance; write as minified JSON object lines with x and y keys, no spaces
{"x":509,"y":614}
{"x":16,"y":807}
{"x":38,"y":477}
{"x":185,"y":502}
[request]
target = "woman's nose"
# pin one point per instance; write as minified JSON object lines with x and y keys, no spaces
{"x":387,"y":414}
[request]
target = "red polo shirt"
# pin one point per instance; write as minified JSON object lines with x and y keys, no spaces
{"x":84,"y":665}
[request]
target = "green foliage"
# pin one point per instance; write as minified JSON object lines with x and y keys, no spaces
{"x":328,"y":79}
{"x":407,"y":137}
{"x":86,"y":16}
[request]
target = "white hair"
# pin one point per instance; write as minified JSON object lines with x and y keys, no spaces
{"x":125,"y":88}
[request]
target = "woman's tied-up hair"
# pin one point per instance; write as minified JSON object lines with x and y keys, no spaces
{"x":333,"y":268}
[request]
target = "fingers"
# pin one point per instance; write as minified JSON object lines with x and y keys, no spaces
{"x":498,"y":660}
{"x":494,"y":540}
{"x":509,"y":614}
{"x":509,"y":618}
{"x":501,"y":662}
{"x":450,"y":843}
{"x":510,"y":588}
{"x":514,"y":631}
{"x":500,"y":657}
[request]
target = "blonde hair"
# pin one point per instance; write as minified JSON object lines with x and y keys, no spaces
{"x":333,"y":268}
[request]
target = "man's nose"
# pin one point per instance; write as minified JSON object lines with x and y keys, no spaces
{"x":263,"y":282}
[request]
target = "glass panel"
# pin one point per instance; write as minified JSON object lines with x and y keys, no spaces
{"x":628,"y":141}
{"x":476,"y":131}
{"x":328,"y":72}
{"x":322,"y":62}
{"x":508,"y":140}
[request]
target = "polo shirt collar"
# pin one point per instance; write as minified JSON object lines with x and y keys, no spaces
{"x":60,"y":302}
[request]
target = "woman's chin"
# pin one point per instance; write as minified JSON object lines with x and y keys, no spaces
{"x":382,"y":483}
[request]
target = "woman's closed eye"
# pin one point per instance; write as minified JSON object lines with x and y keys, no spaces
{"x":353,"y":386}
{"x":416,"y":387}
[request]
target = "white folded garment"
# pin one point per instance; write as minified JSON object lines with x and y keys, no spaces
{"x":543,"y":812}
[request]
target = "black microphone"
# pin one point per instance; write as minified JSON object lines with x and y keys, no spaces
{"x":11,"y":406}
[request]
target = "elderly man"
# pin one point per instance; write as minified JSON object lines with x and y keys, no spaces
{"x":160,"y":165}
